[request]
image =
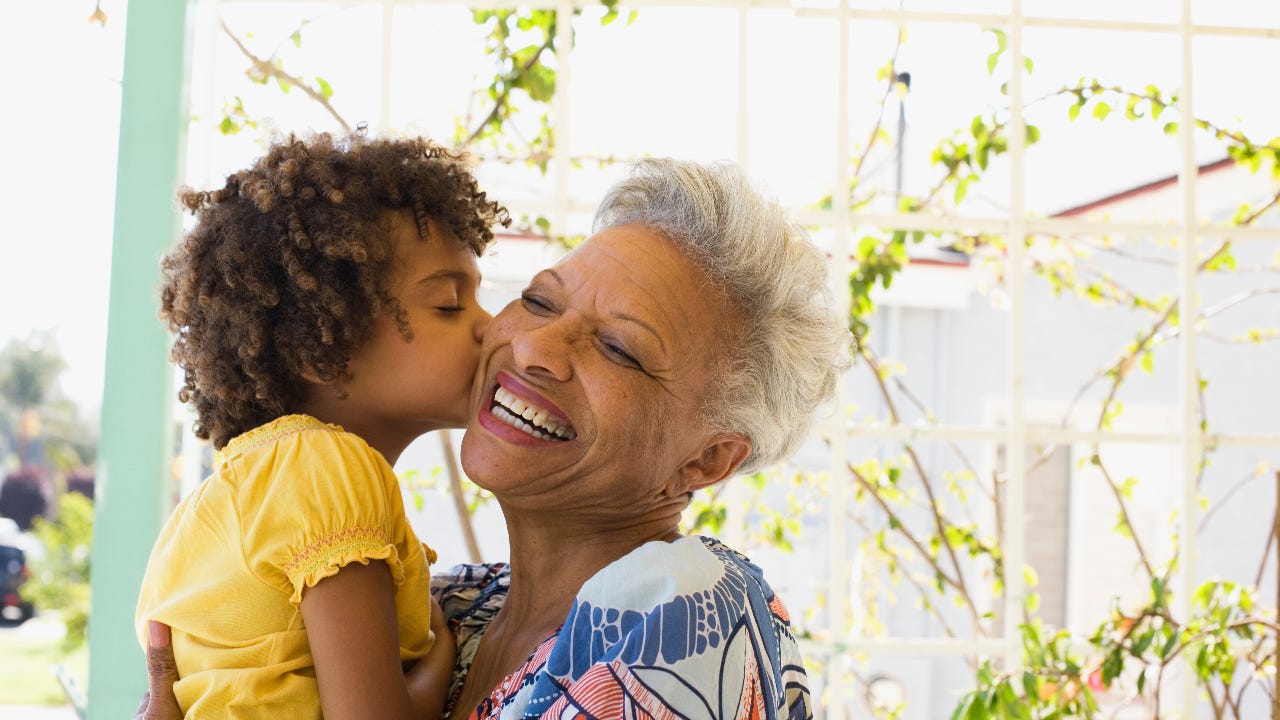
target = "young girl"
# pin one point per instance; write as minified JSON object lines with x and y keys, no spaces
{"x":324,"y":311}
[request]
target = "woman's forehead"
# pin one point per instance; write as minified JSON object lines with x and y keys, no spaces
{"x":638,"y":270}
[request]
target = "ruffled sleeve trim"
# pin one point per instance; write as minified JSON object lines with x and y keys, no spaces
{"x":326,"y":556}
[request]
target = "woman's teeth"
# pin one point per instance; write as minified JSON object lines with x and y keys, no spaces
{"x":530,"y":419}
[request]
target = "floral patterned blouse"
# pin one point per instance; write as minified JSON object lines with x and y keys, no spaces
{"x":686,"y":629}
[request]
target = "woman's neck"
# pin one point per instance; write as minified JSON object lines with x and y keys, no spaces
{"x":552,"y":556}
{"x":550,"y":561}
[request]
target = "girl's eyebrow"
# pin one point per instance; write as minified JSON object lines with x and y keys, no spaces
{"x":445,"y":274}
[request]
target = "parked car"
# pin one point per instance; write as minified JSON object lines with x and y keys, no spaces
{"x":13,"y":573}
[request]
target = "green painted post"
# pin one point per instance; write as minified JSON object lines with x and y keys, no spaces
{"x":133,"y":486}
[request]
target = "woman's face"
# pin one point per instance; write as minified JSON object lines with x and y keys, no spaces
{"x":608,"y":357}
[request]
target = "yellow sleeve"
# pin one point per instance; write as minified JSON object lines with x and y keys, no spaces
{"x":315,"y":501}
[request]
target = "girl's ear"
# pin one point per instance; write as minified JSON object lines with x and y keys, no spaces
{"x":310,"y":375}
{"x":716,"y":461}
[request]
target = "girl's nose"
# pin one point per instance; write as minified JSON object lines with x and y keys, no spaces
{"x":482,"y":324}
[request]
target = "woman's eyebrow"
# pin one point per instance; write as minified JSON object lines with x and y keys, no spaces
{"x":643,"y":324}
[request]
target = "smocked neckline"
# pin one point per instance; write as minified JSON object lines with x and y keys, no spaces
{"x":274,"y":430}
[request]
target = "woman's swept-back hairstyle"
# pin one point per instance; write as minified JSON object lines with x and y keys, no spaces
{"x":781,"y":365}
{"x":283,"y":271}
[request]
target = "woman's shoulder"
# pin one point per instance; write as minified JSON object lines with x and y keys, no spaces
{"x":657,"y":572}
{"x":688,"y":623}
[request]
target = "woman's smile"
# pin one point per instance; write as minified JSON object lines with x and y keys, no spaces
{"x":518,"y":406}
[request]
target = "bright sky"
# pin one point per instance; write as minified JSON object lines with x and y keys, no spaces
{"x":665,"y":86}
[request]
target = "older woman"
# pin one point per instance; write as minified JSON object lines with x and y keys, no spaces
{"x":690,"y":338}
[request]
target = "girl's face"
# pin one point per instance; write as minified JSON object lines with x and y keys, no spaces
{"x":608,"y":357}
{"x":398,"y":389}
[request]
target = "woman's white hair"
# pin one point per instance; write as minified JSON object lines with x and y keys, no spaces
{"x":781,"y":365}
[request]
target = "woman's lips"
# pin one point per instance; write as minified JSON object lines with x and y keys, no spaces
{"x":516,"y":407}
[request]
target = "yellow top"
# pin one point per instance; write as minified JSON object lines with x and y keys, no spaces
{"x":290,"y":503}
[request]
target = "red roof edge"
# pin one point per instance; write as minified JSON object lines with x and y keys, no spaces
{"x":1079,"y":210}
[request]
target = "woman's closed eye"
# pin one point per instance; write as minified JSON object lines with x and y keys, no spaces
{"x":616,"y":352}
{"x":536,"y":304}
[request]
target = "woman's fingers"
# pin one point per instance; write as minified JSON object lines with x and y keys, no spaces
{"x":159,"y":702}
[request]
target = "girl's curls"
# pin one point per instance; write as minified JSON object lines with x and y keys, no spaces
{"x":282,"y":273}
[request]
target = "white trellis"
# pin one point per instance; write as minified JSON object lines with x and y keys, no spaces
{"x":1016,"y":432}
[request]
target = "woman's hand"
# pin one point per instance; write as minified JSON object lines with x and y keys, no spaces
{"x":159,"y":702}
{"x":429,"y":678}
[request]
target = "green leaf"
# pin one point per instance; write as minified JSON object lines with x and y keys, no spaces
{"x":1131,"y":108}
{"x":1142,"y":643}
{"x":296,"y":37}
{"x":1171,"y":128}
{"x":1030,"y":685}
{"x":1030,"y":577}
{"x":1073,"y":112}
{"x":1111,"y":667}
{"x":541,"y":83}
{"x":1002,"y":38}
{"x":992,"y":60}
{"x":228,"y":126}
{"x":1169,"y":645}
{"x":1029,"y":64}
{"x":1222,"y":261}
{"x":1101,"y":111}
{"x":326,"y":90}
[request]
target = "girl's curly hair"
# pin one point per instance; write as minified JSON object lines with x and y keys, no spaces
{"x":283,"y":270}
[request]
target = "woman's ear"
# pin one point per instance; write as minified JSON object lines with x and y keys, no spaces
{"x":717,"y":460}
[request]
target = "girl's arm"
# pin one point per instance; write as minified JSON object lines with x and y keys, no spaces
{"x":355,"y":643}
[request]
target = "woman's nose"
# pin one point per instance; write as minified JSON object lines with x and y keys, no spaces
{"x":545,"y":349}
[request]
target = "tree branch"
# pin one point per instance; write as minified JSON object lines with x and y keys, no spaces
{"x":934,"y":506}
{"x":1124,"y":512}
{"x":500,"y":101}
{"x":459,"y":502}
{"x":270,"y":69}
{"x":958,"y":585}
